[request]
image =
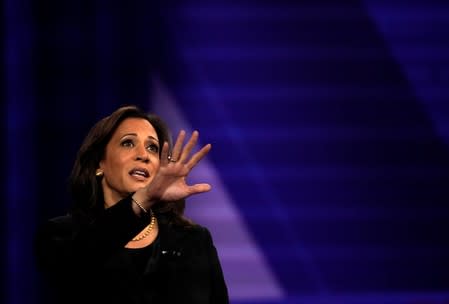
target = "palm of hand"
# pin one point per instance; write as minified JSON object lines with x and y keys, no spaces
{"x":171,"y":181}
{"x":170,"y":184}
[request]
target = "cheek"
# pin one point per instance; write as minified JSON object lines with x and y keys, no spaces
{"x":155,"y":162}
{"x":114,"y":165}
{"x":157,"y":165}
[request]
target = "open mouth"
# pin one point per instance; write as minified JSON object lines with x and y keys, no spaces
{"x":139,"y":173}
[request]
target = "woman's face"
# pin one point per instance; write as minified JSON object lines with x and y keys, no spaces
{"x":131,"y":159}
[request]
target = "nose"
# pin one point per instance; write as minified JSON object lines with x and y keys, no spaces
{"x":142,"y":154}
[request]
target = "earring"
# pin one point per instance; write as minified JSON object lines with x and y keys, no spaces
{"x":99,"y":173}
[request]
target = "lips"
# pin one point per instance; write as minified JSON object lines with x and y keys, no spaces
{"x":139,"y":173}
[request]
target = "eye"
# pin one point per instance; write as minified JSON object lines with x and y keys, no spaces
{"x":127,"y":143}
{"x":153,"y":148}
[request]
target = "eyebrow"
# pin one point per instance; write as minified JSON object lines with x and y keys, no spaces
{"x":134,"y":134}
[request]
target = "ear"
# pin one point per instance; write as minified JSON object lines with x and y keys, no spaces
{"x":101,"y":165}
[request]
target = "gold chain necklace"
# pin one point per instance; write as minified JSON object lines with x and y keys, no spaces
{"x":147,"y":231}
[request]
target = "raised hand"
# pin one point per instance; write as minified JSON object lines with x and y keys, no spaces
{"x":169,"y":184}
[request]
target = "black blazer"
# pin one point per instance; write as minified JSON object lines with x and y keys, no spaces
{"x":87,"y":262}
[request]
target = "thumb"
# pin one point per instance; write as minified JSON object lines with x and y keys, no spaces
{"x":199,"y":188}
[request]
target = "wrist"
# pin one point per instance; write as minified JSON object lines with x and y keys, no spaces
{"x":139,"y":206}
{"x":140,"y":203}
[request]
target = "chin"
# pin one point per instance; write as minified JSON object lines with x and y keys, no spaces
{"x":137,"y":186}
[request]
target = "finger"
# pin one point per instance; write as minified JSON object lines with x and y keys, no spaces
{"x":199,"y":188}
{"x":188,"y":147}
{"x":164,"y":153}
{"x":178,"y":145}
{"x":198,"y":156}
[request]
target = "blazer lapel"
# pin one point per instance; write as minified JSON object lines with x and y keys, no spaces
{"x":168,"y":250}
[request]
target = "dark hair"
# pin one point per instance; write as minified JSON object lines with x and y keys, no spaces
{"x":85,"y":187}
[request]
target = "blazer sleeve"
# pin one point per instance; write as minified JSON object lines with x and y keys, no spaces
{"x":219,"y":290}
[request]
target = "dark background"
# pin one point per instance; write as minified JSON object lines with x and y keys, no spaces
{"x":329,"y":123}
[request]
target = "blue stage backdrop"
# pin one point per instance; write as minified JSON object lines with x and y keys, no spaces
{"x":329,"y":124}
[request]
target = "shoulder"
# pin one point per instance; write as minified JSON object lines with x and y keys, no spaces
{"x":193,"y":234}
{"x":193,"y":229}
{"x":61,"y":220}
{"x":56,"y":226}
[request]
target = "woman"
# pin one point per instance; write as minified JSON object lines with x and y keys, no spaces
{"x":126,"y":239}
